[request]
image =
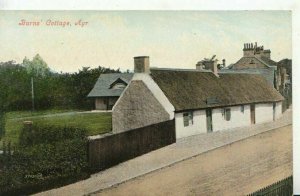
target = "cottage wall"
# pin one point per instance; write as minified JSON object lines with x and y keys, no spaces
{"x":263,"y":112}
{"x":238,"y":118}
{"x":278,"y":110}
{"x":137,"y":107}
{"x":99,"y":104}
{"x":198,"y":126}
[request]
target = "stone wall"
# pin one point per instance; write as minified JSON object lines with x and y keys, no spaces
{"x":136,"y":108}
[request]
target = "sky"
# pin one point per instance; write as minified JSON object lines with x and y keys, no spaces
{"x":172,"y":39}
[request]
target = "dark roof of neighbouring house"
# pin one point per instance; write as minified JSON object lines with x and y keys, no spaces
{"x":195,"y":90}
{"x":268,"y":74}
{"x":268,"y":61}
{"x":102,"y":86}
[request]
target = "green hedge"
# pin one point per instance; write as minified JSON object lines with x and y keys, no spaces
{"x":46,"y":157}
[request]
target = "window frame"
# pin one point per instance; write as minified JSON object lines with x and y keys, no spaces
{"x":188,"y":118}
{"x":243,"y":108}
{"x":227,"y":114}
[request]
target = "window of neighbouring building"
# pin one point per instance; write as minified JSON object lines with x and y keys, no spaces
{"x":119,"y":86}
{"x":227,"y":112}
{"x":187,"y":118}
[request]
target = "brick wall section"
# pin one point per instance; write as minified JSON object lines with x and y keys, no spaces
{"x":113,"y":149}
{"x":136,"y":108}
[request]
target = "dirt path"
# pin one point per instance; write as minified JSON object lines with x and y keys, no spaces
{"x":235,"y":169}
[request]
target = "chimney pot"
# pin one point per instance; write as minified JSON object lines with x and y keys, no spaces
{"x":141,"y":64}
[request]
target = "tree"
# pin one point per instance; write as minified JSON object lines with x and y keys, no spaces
{"x":36,"y":67}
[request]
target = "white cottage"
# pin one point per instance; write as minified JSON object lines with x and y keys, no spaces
{"x":199,"y":101}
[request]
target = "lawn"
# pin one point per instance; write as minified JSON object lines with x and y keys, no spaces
{"x":94,"y":123}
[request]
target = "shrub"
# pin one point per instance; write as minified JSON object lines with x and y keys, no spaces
{"x":40,"y":133}
{"x":46,"y":157}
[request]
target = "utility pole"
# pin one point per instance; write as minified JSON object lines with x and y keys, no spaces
{"x":32,"y":93}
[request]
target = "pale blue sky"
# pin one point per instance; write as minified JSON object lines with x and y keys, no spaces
{"x":171,"y":38}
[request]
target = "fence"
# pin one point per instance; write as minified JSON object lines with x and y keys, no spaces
{"x":283,"y":188}
{"x":113,"y":149}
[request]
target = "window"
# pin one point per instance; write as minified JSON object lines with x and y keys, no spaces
{"x":187,"y":118}
{"x":242,"y":108}
{"x":119,"y":86}
{"x":227,"y":114}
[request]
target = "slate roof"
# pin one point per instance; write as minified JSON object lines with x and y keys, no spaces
{"x":268,"y":74}
{"x":268,"y":61}
{"x":188,"y":90}
{"x":265,"y":61}
{"x":102,"y":86}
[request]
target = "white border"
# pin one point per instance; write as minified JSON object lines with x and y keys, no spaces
{"x":293,"y":5}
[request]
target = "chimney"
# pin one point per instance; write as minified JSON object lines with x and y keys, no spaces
{"x":199,"y":66}
{"x":267,"y":54}
{"x":214,"y":67}
{"x":141,"y":64}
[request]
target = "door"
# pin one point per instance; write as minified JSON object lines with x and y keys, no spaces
{"x":209,"y":120}
{"x":252,"y":113}
{"x":274,"y":111}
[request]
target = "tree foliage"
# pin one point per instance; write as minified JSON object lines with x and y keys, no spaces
{"x":51,"y":89}
{"x":36,"y":67}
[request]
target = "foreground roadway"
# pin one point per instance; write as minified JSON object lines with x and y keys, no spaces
{"x":235,"y":169}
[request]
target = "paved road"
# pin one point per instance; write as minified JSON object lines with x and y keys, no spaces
{"x":236,"y":169}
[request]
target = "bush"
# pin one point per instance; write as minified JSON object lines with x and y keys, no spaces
{"x":46,"y":157}
{"x":39,"y":133}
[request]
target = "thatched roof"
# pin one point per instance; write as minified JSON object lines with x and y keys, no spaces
{"x":195,"y":90}
{"x":103,"y":88}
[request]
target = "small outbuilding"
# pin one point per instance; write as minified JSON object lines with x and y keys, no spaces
{"x":108,"y":89}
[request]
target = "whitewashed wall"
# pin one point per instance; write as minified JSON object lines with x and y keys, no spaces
{"x":99,"y":104}
{"x":238,"y":118}
{"x":263,"y":112}
{"x":278,"y":110}
{"x":198,"y":126}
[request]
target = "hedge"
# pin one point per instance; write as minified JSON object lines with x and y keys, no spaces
{"x":46,"y":157}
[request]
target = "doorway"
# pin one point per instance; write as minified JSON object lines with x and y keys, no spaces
{"x":274,"y":111}
{"x":209,"y":120}
{"x":252,"y":113}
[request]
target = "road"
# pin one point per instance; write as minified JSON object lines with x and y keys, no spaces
{"x":236,"y":169}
